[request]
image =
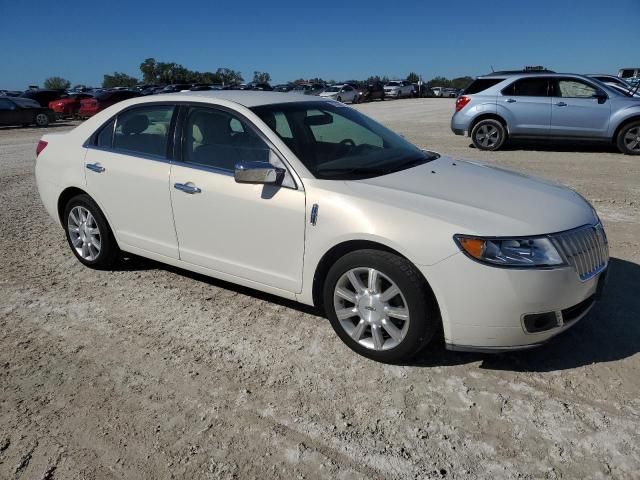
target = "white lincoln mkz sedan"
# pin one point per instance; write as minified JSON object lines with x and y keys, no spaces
{"x":308,"y":199}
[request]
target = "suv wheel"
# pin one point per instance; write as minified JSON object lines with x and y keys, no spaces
{"x":88,"y":233}
{"x":379,"y":305}
{"x":629,"y":139}
{"x":488,"y":135}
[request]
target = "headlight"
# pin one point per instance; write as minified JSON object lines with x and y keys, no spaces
{"x":511,"y":252}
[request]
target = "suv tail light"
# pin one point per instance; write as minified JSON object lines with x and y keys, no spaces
{"x":41,"y":146}
{"x":461,"y":102}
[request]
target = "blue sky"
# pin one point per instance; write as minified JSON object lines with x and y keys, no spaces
{"x":81,"y":41}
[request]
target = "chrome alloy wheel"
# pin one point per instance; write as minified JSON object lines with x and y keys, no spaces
{"x":488,"y":136}
{"x":371,"y":308}
{"x":632,"y":139}
{"x":84,"y":233}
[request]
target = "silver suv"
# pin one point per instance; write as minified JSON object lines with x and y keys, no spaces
{"x":549,"y":106}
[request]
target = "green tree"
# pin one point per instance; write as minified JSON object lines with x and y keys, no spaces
{"x":57,"y":83}
{"x":461,"y":82}
{"x":261,"y":77}
{"x":439,"y":82}
{"x":119,"y":79}
{"x":228,"y":76}
{"x":149,"y":71}
{"x":413,"y":77}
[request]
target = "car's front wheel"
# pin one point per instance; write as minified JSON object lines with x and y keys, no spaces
{"x":488,"y":134}
{"x":380,"y":305}
{"x":629,"y":139}
{"x":88,"y":233}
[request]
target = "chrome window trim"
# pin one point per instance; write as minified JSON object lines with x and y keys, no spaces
{"x":177,"y":129}
{"x":128,"y":153}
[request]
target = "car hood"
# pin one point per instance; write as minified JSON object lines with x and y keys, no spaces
{"x":328,"y":94}
{"x":479,"y":199}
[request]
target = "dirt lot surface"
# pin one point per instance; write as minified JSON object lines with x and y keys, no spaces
{"x":152,"y":372}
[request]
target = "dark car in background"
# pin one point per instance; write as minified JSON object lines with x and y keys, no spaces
{"x":24,"y":111}
{"x":284,"y":87}
{"x":68,"y":106}
{"x":175,"y":87}
{"x":90,"y":106}
{"x":370,"y":92}
{"x":43,"y":96}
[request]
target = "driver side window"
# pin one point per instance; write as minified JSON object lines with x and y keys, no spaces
{"x":576,"y":89}
{"x":341,"y":129}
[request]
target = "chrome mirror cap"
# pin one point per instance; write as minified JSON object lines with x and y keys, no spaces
{"x":258,"y":172}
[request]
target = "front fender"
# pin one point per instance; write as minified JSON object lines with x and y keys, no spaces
{"x":621,"y":116}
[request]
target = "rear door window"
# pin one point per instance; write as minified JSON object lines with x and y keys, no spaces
{"x":144,"y":130}
{"x":528,"y":87}
{"x":482,"y":84}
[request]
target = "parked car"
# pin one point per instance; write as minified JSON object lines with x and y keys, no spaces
{"x":91,"y":106}
{"x":322,"y":205}
{"x":262,"y":86}
{"x":547,"y":106}
{"x":175,"y":87}
{"x":631,"y":75}
{"x":370,"y":92}
{"x":10,"y":93}
{"x":342,"y":93}
{"x":68,"y":106}
{"x":310,"y":88}
{"x":43,"y":96}
{"x":611,"y":80}
{"x":398,"y":89}
{"x":284,"y":87}
{"x":24,"y":111}
{"x":438,"y":91}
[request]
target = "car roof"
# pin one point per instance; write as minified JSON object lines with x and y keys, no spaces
{"x":247,"y":98}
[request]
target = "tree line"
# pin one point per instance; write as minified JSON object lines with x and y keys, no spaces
{"x":163,"y":73}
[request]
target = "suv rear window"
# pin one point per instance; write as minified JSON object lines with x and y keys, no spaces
{"x":481,"y":84}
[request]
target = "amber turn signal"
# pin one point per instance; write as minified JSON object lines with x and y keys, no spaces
{"x":473,"y":246}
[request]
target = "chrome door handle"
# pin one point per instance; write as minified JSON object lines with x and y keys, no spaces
{"x":95,"y":167}
{"x":561,"y":104}
{"x":187,"y":188}
{"x":511,"y":100}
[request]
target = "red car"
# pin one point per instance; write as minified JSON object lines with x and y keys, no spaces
{"x":69,"y":105}
{"x":90,"y":106}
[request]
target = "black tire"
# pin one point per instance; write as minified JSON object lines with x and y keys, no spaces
{"x":109,"y":251}
{"x":488,"y":135}
{"x":628,"y":139}
{"x":41,"y":119}
{"x":339,"y":99}
{"x":356,"y":99}
{"x":423,"y":312}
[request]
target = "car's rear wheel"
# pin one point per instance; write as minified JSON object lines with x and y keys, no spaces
{"x":42,"y":119}
{"x":88,"y":233}
{"x":488,"y":134}
{"x":380,"y":305}
{"x":629,"y":139}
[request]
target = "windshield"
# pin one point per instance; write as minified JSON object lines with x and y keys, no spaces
{"x":393,"y":84}
{"x":337,"y":142}
{"x":332,"y":89}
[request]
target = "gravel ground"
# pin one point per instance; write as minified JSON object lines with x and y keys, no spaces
{"x":154,"y":372}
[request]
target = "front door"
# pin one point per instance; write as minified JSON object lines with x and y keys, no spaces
{"x":127,"y":173}
{"x":254,"y":232}
{"x":579,"y":109}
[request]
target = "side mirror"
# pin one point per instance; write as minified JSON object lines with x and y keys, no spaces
{"x":258,"y":172}
{"x":601,"y":97}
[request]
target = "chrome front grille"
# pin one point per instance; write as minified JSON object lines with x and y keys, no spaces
{"x":585,"y":249}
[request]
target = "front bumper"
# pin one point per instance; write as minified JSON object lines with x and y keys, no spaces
{"x":483,"y":308}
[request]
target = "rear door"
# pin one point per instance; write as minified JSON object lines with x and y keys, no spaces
{"x":127,"y":173}
{"x":528,"y":103}
{"x":579,"y":109}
